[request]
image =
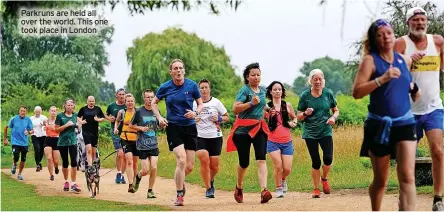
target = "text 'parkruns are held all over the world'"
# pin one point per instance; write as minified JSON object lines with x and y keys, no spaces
{"x":58,"y":22}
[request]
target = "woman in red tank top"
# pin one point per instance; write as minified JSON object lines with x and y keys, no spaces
{"x":51,"y":150}
{"x":281,"y":118}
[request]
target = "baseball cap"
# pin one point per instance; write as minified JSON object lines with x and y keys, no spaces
{"x":415,"y":11}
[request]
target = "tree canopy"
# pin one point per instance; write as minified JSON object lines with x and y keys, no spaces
{"x":151,"y":55}
{"x":336,"y":78}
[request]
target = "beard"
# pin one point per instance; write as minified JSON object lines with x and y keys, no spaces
{"x":418,"y":33}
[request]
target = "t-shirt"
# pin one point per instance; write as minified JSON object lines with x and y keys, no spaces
{"x":315,"y":125}
{"x":245,"y":95}
{"x":68,"y":136}
{"x":18,"y":126}
{"x":37,"y":124}
{"x":205,"y":127}
{"x":178,"y":100}
{"x":91,"y":125}
{"x":113,"y":109}
{"x":145,"y":140}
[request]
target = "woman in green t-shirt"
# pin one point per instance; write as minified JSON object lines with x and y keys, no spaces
{"x":250,"y":128}
{"x":66,"y":123}
{"x":314,"y":109}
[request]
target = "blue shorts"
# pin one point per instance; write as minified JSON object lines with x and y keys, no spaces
{"x":429,"y":121}
{"x":116,"y":142}
{"x":286,"y":148}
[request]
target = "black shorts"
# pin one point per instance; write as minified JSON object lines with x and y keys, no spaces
{"x":144,"y":154}
{"x":20,"y":149}
{"x":178,"y":135}
{"x":130,"y":147}
{"x":401,"y":133}
{"x":212,"y":145}
{"x":90,"y":138}
{"x":51,"y":142}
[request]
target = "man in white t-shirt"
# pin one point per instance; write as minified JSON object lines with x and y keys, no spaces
{"x":209,"y":135}
{"x":426,"y":51}
{"x":39,"y":136}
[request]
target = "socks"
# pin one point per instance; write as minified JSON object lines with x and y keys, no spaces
{"x":263,"y":189}
{"x":73,"y":183}
{"x":323,"y":179}
{"x":437,"y":198}
{"x":119,"y":172}
{"x":179,"y":192}
{"x":150,"y":190}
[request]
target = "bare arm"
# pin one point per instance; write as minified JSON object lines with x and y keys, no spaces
{"x":100,"y":119}
{"x":107,"y":117}
{"x":399,"y":45}
{"x":439,"y":42}
{"x":155,"y":107}
{"x":225,"y":117}
{"x":362,"y":85}
{"x":199,"y":105}
{"x":335,"y":111}
{"x":117,"y":122}
{"x":300,"y":115}
{"x":136,"y":127}
{"x":59,"y":128}
{"x":291,"y":113}
{"x":239,"y":107}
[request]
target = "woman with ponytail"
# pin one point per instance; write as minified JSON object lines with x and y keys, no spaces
{"x":389,"y":131}
{"x":281,"y":118}
{"x":65,"y":125}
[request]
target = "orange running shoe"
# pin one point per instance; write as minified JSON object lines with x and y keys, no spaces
{"x":325,"y":186}
{"x":238,"y":195}
{"x":265,"y":196}
{"x":316,"y":193}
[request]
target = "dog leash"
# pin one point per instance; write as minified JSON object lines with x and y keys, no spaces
{"x":112,"y":153}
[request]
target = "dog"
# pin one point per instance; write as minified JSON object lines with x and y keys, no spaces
{"x":93,"y":177}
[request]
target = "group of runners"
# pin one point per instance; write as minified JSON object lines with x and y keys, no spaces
{"x":400,"y":75}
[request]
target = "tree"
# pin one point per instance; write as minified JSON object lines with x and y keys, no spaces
{"x":334,"y":72}
{"x":150,"y":56}
{"x":107,"y":90}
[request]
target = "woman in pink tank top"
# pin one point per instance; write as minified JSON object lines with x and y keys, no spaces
{"x":281,"y":118}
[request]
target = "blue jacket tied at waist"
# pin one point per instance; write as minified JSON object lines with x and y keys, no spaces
{"x":386,"y":123}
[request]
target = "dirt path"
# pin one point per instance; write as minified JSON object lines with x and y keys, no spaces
{"x":195,"y":200}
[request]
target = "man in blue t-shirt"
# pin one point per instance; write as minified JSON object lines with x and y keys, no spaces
{"x":179,"y":94}
{"x":21,"y":128}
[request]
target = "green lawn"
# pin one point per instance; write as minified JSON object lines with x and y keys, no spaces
{"x":18,"y":196}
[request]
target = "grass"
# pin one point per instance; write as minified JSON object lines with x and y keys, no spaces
{"x":349,"y":170}
{"x":18,"y":196}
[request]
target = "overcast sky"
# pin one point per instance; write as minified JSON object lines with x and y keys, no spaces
{"x":281,"y":34}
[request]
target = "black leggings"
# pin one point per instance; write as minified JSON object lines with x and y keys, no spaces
{"x":243,"y":144}
{"x":326,"y":144}
{"x":72,"y":150}
{"x":37,"y":142}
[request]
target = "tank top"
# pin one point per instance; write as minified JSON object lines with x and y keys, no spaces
{"x":425,"y":73}
{"x":49,"y":132}
{"x":127,"y":133}
{"x":392,"y":99}
{"x":281,"y":134}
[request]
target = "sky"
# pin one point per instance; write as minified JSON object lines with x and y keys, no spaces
{"x":280,"y":35}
